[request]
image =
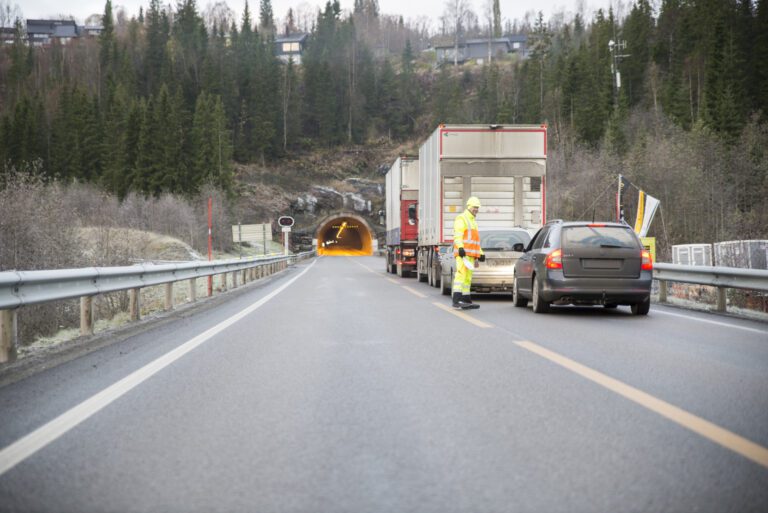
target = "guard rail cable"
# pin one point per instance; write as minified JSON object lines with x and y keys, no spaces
{"x":24,"y":288}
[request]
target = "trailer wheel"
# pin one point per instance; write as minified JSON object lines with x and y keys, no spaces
{"x":446,"y":282}
{"x":422,"y":277}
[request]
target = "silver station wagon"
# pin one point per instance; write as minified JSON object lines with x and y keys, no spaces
{"x":584,"y":263}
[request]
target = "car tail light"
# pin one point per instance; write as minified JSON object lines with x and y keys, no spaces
{"x":397,"y":251}
{"x":554,"y":260}
{"x":647,"y":264}
{"x":596,"y":225}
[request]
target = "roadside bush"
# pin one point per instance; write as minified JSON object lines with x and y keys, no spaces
{"x":49,"y":225}
{"x":38,"y":231}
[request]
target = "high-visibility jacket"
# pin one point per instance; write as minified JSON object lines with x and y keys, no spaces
{"x":466,"y":235}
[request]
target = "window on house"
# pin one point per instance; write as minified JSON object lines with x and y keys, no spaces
{"x":290,"y":47}
{"x":515,"y":45}
{"x":535,"y":184}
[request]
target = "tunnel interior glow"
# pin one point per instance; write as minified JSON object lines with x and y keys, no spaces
{"x":344,"y":236}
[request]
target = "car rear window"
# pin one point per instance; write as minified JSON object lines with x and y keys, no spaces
{"x":599,"y":236}
{"x":503,"y":240}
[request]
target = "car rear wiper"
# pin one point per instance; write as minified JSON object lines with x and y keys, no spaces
{"x":614,"y":246}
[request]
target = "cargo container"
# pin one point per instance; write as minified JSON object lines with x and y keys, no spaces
{"x":504,"y":166}
{"x":692,"y":254}
{"x":402,"y":184}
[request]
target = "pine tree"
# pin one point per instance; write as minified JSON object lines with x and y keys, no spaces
{"x":266,"y":18}
{"x":107,"y":47}
{"x":760,"y":56}
{"x":157,"y":39}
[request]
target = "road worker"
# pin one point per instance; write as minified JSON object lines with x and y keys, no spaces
{"x":467,"y":251}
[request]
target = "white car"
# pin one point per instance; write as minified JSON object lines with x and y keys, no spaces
{"x":497,"y":273}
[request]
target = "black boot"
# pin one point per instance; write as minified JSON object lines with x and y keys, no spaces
{"x":457,"y":300}
{"x":467,"y":301}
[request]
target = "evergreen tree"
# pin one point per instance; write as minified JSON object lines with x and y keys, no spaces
{"x":156,"y":58}
{"x":266,"y":18}
{"x":496,"y":19}
{"x":107,"y":47}
{"x":760,"y":56}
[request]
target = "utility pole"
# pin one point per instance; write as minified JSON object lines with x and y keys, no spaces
{"x":616,"y":48}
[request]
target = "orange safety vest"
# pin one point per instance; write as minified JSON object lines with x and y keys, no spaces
{"x":470,"y":240}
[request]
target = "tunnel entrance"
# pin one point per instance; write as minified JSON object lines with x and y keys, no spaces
{"x":344,"y":235}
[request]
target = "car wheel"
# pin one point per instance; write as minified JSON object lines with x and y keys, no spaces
{"x":539,"y":305}
{"x":518,"y":300}
{"x":642,"y":308}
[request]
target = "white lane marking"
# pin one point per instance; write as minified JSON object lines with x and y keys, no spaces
{"x":44,"y":435}
{"x":764,"y":332}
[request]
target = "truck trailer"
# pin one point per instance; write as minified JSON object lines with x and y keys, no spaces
{"x":503,"y":165}
{"x":402,"y":195}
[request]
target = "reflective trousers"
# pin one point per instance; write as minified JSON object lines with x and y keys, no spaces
{"x":462,"y":280}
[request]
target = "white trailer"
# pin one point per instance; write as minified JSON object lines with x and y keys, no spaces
{"x":402,"y":183}
{"x":503,"y":165}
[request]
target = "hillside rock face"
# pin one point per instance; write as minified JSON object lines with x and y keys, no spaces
{"x":353,"y":195}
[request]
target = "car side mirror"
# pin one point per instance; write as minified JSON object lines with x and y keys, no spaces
{"x":519,"y":247}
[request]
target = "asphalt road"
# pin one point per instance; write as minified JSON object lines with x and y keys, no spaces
{"x":336,"y":387}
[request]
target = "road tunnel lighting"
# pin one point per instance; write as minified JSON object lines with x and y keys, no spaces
{"x":341,"y":229}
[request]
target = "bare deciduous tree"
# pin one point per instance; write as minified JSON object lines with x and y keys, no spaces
{"x":456,"y":15}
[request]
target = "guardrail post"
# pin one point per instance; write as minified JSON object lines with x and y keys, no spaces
{"x":134,"y":295}
{"x":662,"y":291}
{"x":8,"y":334}
{"x":86,"y":315}
{"x":192,"y":290}
{"x":169,"y":296}
{"x":721,"y":299}
{"x":234,"y":280}
{"x":224,"y":282}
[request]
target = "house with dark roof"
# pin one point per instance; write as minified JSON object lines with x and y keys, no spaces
{"x":478,"y":49}
{"x":291,"y":46}
{"x":7,"y":35}
{"x":519,"y":44}
{"x":43,"y":32}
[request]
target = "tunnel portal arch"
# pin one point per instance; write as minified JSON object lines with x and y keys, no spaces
{"x":344,"y":234}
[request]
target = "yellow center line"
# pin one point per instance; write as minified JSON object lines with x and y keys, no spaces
{"x":462,"y":315}
{"x":393,"y":281}
{"x":414,"y":292}
{"x":709,"y":430}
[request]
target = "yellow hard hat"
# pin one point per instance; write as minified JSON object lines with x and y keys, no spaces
{"x":473,"y":202}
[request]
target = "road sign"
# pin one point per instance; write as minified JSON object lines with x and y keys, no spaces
{"x":285,"y":221}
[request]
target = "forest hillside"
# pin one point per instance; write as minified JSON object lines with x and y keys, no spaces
{"x":175,"y":104}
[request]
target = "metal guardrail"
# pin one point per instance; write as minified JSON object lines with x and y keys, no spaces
{"x":721,"y":277}
{"x":23,"y":288}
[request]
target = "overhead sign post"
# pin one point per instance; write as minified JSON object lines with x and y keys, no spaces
{"x":285,"y":222}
